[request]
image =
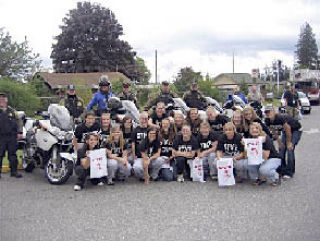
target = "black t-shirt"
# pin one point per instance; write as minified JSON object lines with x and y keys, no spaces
{"x":82,"y":130}
{"x":150,"y":148}
{"x":280,"y":120}
{"x":127,"y":139}
{"x":195,"y":127}
{"x":206,"y":142}
{"x":185,"y":146}
{"x":292,"y":98}
{"x":166,"y":146}
{"x":82,"y":153}
{"x":268,"y":146}
{"x":246,"y":134}
{"x":137,"y":136}
{"x":115,"y":148}
{"x":232,"y":147}
{"x":104,"y":134}
{"x":157,"y":120}
{"x":218,"y":123}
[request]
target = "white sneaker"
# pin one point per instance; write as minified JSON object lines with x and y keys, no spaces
{"x":214,"y":178}
{"x":180,"y":178}
{"x":286,"y":177}
{"x":100,"y":184}
{"x":77,"y":188}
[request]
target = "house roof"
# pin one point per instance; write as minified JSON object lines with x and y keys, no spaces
{"x":233,"y":79}
{"x":61,"y":80}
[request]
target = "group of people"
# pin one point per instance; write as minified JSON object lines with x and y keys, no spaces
{"x":164,"y":147}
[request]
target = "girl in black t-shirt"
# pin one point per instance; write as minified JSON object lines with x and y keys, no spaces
{"x":150,"y":152}
{"x":117,"y":156}
{"x":105,"y":127}
{"x":162,"y":165}
{"x":127,"y":128}
{"x":270,"y":156}
{"x":237,"y":120}
{"x":82,"y":166}
{"x":216,"y":121}
{"x":184,"y":150}
{"x":193,"y":119}
{"x":208,"y":141}
{"x":249,"y":116}
{"x":178,"y":121}
{"x":230,"y":144}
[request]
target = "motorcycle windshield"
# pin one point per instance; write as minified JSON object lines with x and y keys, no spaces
{"x":60,"y":117}
{"x":131,"y":110}
{"x":178,"y":102}
{"x":239,"y":101}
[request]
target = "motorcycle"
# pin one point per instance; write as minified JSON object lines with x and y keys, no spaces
{"x":233,"y":103}
{"x":256,"y":105}
{"x":48,"y":144}
{"x":181,"y":106}
{"x":121,"y":108}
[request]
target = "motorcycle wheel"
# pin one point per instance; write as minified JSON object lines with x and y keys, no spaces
{"x":58,"y":175}
{"x":27,"y":163}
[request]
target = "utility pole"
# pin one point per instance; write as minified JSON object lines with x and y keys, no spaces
{"x":233,"y":63}
{"x":156,"y":66}
{"x":278,"y":77}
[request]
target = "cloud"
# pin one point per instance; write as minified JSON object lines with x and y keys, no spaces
{"x":202,"y":34}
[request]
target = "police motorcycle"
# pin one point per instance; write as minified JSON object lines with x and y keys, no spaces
{"x":215,"y":104}
{"x":120,"y":108}
{"x":181,"y":106}
{"x":233,"y":103}
{"x":48,"y":144}
{"x":256,"y":105}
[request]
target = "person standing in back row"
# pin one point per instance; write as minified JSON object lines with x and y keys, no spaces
{"x":72,"y":102}
{"x":10,"y":132}
{"x":291,"y":102}
{"x":194,"y":99}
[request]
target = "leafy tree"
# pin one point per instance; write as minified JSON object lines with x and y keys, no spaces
{"x":206,"y":88}
{"x":143,"y":73}
{"x":244,"y":87}
{"x":307,"y":49}
{"x":185,"y":78}
{"x":20,"y":96}
{"x":89,"y":42}
{"x":16,"y":59}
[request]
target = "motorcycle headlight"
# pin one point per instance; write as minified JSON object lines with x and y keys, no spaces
{"x":68,"y":136}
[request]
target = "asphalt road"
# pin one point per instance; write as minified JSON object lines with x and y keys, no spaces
{"x":31,"y":209}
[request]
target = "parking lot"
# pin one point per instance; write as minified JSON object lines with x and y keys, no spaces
{"x":32,"y":209}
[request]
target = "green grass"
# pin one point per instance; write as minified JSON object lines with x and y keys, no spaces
{"x":5,"y":161}
{"x":274,"y":102}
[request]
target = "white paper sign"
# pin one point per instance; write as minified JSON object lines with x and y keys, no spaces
{"x":98,"y":163}
{"x":225,"y":172}
{"x":254,"y":151}
{"x":197,"y":170}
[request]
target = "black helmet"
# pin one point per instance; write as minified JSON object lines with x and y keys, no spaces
{"x":114,"y":103}
{"x":104,"y":81}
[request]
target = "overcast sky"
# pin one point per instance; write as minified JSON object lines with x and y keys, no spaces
{"x":202,"y":34}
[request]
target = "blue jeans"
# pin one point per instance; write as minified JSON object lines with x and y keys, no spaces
{"x":267,"y":169}
{"x":288,"y":164}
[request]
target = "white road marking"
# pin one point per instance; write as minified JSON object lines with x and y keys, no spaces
{"x":312,"y":131}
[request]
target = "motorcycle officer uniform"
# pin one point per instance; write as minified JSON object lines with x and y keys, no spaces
{"x":194,"y":99}
{"x":101,"y":97}
{"x":164,"y":96}
{"x":10,"y":127}
{"x":127,"y":95}
{"x":72,"y":102}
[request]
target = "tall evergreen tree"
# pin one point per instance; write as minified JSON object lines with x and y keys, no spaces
{"x":90,"y":42}
{"x":307,"y":49}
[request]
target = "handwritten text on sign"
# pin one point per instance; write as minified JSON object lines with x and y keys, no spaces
{"x":98,"y":163}
{"x":254,"y":151}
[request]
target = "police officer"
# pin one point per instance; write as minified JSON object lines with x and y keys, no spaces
{"x":102,"y":96}
{"x":127,"y":95}
{"x":10,"y":131}
{"x":165,"y":96}
{"x":194,"y":99}
{"x":72,"y":102}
